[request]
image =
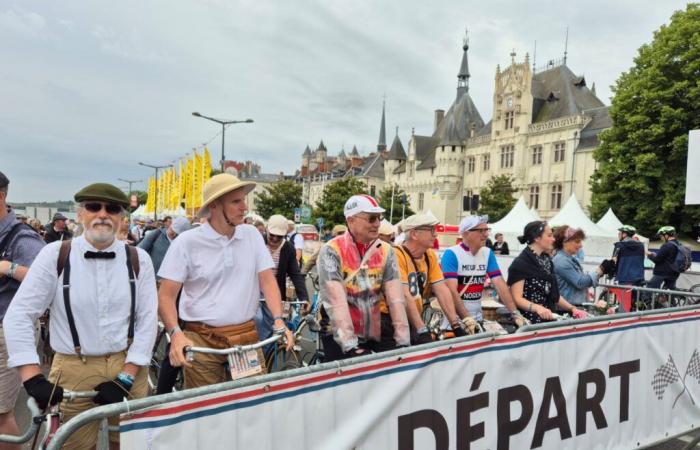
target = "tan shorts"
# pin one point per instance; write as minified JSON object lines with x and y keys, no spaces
{"x":10,"y":382}
{"x":73,"y":374}
{"x":206,"y":369}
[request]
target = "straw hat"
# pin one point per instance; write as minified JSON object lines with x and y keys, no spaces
{"x":220,"y":185}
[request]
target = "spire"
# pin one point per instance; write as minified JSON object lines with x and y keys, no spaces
{"x":566,"y":45}
{"x":381,"y":145}
{"x":354,"y":151}
{"x":307,"y":151}
{"x":463,"y":76}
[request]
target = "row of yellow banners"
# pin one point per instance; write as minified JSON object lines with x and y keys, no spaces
{"x":176,"y":186}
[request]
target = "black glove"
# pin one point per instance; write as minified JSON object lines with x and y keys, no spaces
{"x":40,"y":388}
{"x":608,"y":267}
{"x":458,"y":331}
{"x":424,"y":338}
{"x":111,"y":392}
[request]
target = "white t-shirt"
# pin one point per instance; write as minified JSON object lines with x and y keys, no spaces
{"x":298,"y":240}
{"x":219,"y":276}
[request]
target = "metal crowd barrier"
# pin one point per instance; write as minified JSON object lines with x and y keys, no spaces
{"x":648,"y":298}
{"x":102,"y":413}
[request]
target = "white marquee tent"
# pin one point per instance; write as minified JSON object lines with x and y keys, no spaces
{"x":609,"y":221}
{"x":599,"y":241}
{"x":513,"y":223}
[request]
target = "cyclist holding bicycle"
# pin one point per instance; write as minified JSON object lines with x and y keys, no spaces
{"x":285,"y":265}
{"x":221,"y":266}
{"x":466,"y":266}
{"x":102,"y":297}
{"x":421,"y":277}
{"x":356,"y":270}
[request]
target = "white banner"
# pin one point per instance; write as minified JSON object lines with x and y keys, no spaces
{"x":692,"y":181}
{"x":621,"y":384}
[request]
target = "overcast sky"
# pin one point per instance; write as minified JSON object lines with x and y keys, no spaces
{"x":90,"y":88}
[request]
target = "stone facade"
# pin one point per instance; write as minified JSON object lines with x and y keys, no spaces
{"x":543,"y":132}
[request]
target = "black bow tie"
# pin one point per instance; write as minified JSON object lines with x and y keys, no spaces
{"x":99,"y":255}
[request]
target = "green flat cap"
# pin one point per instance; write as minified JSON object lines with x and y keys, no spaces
{"x":104,"y":192}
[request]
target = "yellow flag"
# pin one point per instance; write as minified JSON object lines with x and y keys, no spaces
{"x":198,"y":180}
{"x":207,"y":165}
{"x":150,"y":202}
{"x":189,"y":181}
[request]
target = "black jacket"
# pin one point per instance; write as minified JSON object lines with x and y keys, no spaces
{"x":288,"y":267}
{"x":664,"y":258}
{"x":53,"y":235}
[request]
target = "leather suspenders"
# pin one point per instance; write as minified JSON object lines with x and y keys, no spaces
{"x":63,"y":266}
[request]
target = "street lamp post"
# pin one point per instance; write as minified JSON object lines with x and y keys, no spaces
{"x":223,"y":124}
{"x":155,"y":198}
{"x":130,"y":182}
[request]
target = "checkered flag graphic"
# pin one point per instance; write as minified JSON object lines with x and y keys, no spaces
{"x":694,"y":366}
{"x":665,"y":376}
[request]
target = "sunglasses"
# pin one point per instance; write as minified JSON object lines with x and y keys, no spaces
{"x":431,"y":229}
{"x":274,"y":237}
{"x":481,"y":230}
{"x":372,"y":218}
{"x":111,"y":208}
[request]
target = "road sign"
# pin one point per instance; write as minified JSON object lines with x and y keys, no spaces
{"x":305,"y":213}
{"x":297,"y":214}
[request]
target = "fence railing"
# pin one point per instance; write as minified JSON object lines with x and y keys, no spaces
{"x":102,"y":413}
{"x":643,"y":298}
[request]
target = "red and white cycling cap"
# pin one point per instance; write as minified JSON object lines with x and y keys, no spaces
{"x":362,"y":203}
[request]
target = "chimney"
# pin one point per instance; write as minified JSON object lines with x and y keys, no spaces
{"x":439,"y":115}
{"x":472,"y":129}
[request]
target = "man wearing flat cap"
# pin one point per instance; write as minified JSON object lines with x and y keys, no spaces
{"x":221,"y":267}
{"x":421,"y":277}
{"x":19,"y":245}
{"x":103,"y":302}
{"x":56,"y":229}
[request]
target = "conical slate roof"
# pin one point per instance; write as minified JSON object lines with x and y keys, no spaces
{"x":342,"y":154}
{"x":397,"y":152}
{"x":321,"y":147}
{"x":456,"y":126}
{"x":381,"y":145}
{"x":307,"y":151}
{"x":354,"y":151}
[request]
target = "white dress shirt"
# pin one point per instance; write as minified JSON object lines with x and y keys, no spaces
{"x":219,"y":275}
{"x":100,"y":299}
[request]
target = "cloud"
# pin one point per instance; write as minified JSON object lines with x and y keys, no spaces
{"x":96,"y":87}
{"x":25,"y":23}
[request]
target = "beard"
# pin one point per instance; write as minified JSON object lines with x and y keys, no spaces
{"x":100,"y":232}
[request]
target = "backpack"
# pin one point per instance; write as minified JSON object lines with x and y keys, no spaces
{"x":16,"y":228}
{"x":683,"y":259}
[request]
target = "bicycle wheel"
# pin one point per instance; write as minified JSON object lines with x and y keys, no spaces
{"x":280,"y":360}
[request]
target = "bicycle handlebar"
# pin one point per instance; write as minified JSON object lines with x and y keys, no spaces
{"x":38,"y":417}
{"x":189,"y":351}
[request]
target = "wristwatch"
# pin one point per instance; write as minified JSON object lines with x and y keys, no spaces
{"x":174,"y":330}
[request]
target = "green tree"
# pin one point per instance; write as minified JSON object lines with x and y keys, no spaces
{"x":279,"y":198}
{"x":142,"y":196}
{"x":333,"y":199}
{"x":496,"y":199}
{"x":643,"y":156}
{"x":384,"y":200}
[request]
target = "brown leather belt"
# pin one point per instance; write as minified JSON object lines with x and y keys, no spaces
{"x":226,"y":336}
